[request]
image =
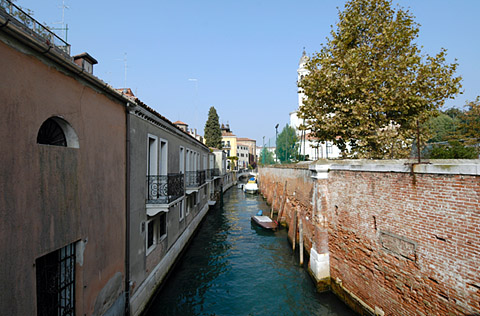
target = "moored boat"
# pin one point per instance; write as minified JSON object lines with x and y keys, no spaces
{"x":264,"y":221}
{"x":251,"y":186}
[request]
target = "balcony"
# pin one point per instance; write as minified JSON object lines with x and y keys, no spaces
{"x":216,"y":172}
{"x":209,"y":174}
{"x":165,"y":189}
{"x":194,"y":178}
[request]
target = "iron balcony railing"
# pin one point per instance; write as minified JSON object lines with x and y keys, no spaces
{"x":216,"y":172}
{"x":209,"y":174}
{"x":195,"y":178}
{"x":165,"y":189}
{"x":33,"y":27}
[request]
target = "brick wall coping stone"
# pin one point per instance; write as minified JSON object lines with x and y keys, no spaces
{"x":300,"y":165}
{"x":448,"y":166}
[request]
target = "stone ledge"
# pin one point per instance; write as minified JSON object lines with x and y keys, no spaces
{"x":453,"y":166}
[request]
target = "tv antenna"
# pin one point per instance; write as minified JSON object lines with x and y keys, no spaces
{"x":64,"y":27}
{"x":125,"y":69}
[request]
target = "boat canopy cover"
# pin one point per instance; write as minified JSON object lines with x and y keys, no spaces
{"x":260,"y":213}
{"x":264,"y":219}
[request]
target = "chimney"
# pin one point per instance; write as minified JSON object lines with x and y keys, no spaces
{"x":85,"y":61}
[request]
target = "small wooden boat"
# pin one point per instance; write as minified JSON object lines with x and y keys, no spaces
{"x":264,"y":221}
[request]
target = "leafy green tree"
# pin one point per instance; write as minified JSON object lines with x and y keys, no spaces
{"x":287,"y":144}
{"x":213,"y":134}
{"x":454,"y":150}
{"x":469,"y":125}
{"x":370,"y":86}
{"x":442,"y":128}
{"x":266,"y":157}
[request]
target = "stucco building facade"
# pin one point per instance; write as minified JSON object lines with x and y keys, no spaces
{"x":62,"y":201}
{"x":99,"y":192}
{"x":172,"y":186}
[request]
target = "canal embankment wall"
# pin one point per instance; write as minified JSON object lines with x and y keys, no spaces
{"x":388,"y":237}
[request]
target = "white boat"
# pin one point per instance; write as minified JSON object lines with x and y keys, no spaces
{"x":264,"y":221}
{"x":251,"y":186}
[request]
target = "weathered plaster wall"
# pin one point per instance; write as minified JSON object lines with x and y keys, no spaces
{"x":402,"y":243}
{"x":53,"y":196}
{"x":149,"y":268}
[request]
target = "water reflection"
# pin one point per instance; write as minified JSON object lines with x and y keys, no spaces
{"x":233,"y":267}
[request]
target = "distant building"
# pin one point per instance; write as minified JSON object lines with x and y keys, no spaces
{"x":242,"y":154}
{"x":229,"y":144}
{"x":309,"y":145}
{"x":271,"y":149}
{"x":252,"y":149}
{"x":192,"y":132}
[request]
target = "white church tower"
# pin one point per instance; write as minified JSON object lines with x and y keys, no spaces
{"x":301,"y":72}
{"x":310,"y":146}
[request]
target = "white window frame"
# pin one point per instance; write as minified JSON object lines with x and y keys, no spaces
{"x":188,"y":202}
{"x":181,"y":167}
{"x":152,"y":155}
{"x":162,"y":237}
{"x":181,"y":207}
{"x":163,"y":155}
{"x":155,"y":235}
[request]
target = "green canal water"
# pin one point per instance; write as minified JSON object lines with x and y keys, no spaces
{"x":232,"y":267}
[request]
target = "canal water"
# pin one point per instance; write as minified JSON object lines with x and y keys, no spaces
{"x":232,"y":267}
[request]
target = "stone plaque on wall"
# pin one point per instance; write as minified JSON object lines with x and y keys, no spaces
{"x":399,"y":245}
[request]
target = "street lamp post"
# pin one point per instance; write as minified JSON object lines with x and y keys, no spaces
{"x":276,"y":143}
{"x":263,"y":149}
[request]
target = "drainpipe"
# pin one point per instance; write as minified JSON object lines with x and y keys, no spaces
{"x":128,"y":107}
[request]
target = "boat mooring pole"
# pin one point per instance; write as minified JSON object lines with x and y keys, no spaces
{"x":282,"y":205}
{"x":274,"y":198}
{"x":300,"y":240}
{"x":294,"y":239}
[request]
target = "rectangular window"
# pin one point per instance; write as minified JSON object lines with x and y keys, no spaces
{"x":181,"y":160}
{"x":151,"y":235}
{"x":163,"y":225}
{"x":55,"y":274}
{"x":196,"y":162}
{"x":181,"y":206}
{"x":329,"y":148}
{"x":152,"y":157}
{"x":189,"y":204}
{"x":163,"y":157}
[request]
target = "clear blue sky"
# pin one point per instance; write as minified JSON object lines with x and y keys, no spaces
{"x":243,"y":54}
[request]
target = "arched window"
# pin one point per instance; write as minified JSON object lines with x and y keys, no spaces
{"x":56,"y":131}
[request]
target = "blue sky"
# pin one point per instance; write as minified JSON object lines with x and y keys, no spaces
{"x":243,"y":54}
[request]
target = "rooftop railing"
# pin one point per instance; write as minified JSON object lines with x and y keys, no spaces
{"x":35,"y":28}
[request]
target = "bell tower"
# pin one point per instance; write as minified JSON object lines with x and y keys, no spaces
{"x":302,"y":71}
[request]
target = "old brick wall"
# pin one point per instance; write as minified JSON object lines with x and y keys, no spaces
{"x":405,"y":243}
{"x":298,"y":196}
